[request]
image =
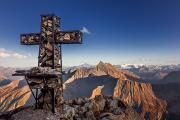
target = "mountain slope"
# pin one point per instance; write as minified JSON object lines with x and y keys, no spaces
{"x":141,"y":97}
{"x":12,"y":97}
{"x":83,"y":87}
{"x":168,"y":89}
{"x":170,"y":93}
{"x":172,"y":77}
{"x":8,"y":88}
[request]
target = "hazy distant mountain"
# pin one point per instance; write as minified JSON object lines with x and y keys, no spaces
{"x":72,"y":68}
{"x":2,"y":77}
{"x":120,"y":83}
{"x":6,"y":73}
{"x":172,"y":77}
{"x":150,"y":73}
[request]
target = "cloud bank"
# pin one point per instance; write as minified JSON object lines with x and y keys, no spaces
{"x":5,"y":54}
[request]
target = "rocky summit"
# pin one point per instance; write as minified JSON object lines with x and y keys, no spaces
{"x":98,"y":108}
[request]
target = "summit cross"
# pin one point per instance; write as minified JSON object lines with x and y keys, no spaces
{"x":50,"y":39}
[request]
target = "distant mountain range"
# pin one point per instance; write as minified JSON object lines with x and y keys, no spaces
{"x":149,"y":73}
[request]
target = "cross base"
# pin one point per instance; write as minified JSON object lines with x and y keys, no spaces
{"x":47,"y":89}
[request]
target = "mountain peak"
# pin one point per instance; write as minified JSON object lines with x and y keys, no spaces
{"x":105,"y":68}
{"x":105,"y":65}
{"x":101,"y":63}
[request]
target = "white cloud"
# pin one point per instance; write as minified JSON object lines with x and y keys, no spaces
{"x":5,"y":54}
{"x":19,"y":56}
{"x":85,"y":30}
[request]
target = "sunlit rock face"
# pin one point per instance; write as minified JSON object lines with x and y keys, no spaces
{"x":97,"y":91}
{"x":141,"y":97}
{"x":8,"y":88}
{"x":6,"y":73}
{"x":119,"y":83}
{"x":12,"y":97}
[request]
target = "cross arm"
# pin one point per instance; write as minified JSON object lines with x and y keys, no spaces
{"x":69,"y":37}
{"x":30,"y":39}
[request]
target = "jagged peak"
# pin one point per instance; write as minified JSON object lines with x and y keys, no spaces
{"x":105,"y":65}
{"x":100,"y":62}
{"x":106,"y":68}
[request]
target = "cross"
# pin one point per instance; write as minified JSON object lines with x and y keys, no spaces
{"x":49,"y":40}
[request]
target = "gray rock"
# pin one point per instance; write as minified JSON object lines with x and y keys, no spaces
{"x":90,"y":115}
{"x":117,"y":111}
{"x":69,"y":112}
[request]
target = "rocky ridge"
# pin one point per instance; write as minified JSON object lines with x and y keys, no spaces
{"x":100,"y":70}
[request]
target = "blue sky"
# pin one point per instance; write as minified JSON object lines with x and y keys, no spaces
{"x":120,"y":31}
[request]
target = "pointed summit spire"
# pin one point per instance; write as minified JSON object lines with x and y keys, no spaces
{"x":101,"y":63}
